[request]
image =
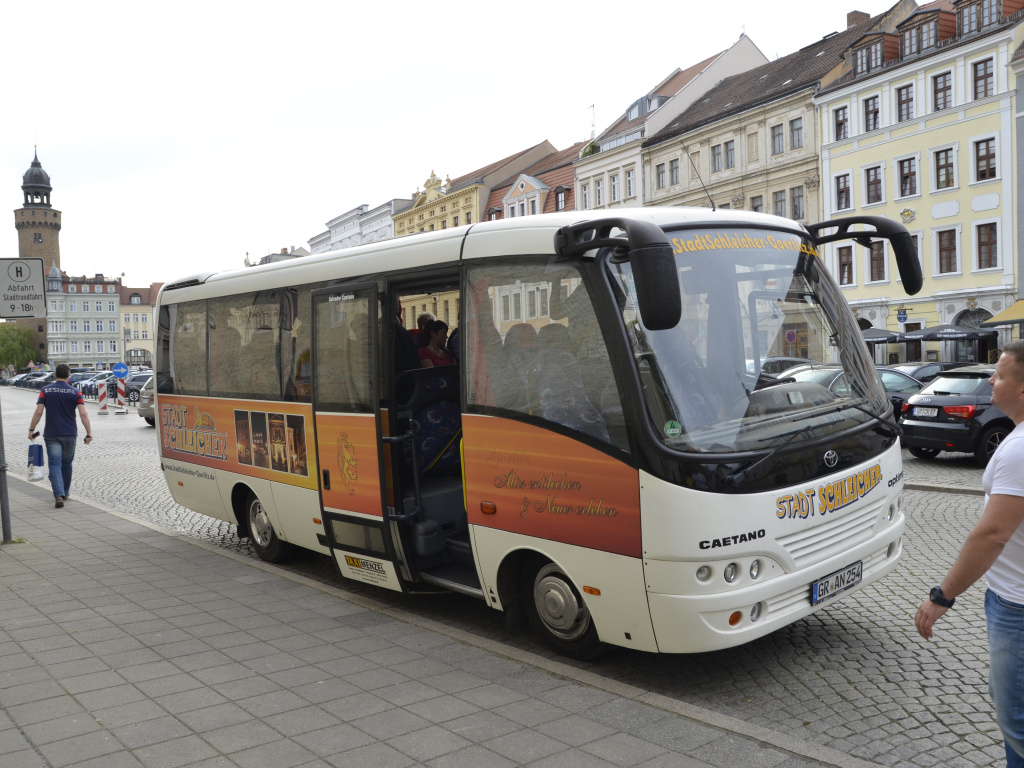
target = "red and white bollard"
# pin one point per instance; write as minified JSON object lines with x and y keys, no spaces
{"x":121,"y":409}
{"x":101,"y":393}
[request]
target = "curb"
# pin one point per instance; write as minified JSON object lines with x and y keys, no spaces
{"x":943,"y":489}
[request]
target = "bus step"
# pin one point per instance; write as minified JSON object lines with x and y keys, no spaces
{"x":457,"y":578}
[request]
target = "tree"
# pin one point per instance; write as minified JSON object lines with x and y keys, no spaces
{"x":15,"y":346}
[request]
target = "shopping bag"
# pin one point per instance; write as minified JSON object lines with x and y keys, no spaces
{"x":36,"y":471}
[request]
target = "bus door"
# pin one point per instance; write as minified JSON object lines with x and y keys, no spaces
{"x":345,"y":396}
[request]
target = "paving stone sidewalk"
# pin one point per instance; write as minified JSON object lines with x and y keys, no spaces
{"x":121,"y":645}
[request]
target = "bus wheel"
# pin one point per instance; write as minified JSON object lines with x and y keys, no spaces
{"x":261,"y":532}
{"x":557,"y":612}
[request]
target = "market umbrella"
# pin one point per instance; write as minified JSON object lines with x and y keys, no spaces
{"x":881,"y":336}
{"x":948,"y":333}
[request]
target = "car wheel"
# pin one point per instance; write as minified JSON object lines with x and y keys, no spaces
{"x":987,"y":444}
{"x":151,"y":421}
{"x":261,"y":532}
{"x":133,"y":396}
{"x":924,"y":453}
{"x":557,"y":612}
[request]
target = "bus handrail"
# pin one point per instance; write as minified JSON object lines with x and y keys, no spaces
{"x":408,"y":437}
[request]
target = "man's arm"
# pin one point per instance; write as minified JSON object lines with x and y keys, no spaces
{"x":35,"y":419}
{"x":85,"y":422}
{"x":1002,"y":516}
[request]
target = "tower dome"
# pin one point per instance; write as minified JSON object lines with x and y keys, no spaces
{"x":36,"y":185}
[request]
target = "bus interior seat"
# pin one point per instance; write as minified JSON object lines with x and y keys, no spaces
{"x":492,"y":371}
{"x":433,"y":405}
{"x":562,"y":397}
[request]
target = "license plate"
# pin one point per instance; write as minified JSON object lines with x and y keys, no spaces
{"x":835,"y":583}
{"x":926,"y":412}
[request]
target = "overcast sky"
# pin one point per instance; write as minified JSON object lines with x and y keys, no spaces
{"x":180,"y":137}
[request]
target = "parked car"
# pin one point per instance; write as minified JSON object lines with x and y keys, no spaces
{"x":898,"y":386}
{"x":147,"y":401}
{"x":91,"y":386}
{"x":924,"y":372}
{"x":954,"y":412}
{"x":41,"y":381}
{"x":133,"y":383}
{"x":773,"y":366}
{"x":80,"y":376}
{"x":26,"y":380}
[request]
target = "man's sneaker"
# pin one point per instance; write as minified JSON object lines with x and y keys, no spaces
{"x":59,"y":504}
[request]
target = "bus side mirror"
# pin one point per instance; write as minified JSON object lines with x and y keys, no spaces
{"x":884,"y":229}
{"x":657,"y":286}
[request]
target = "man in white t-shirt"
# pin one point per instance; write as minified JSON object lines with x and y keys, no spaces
{"x":996,"y":548}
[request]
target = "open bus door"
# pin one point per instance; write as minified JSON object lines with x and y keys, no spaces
{"x":345,"y":396}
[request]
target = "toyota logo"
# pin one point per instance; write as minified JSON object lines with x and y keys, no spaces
{"x":831,"y":458}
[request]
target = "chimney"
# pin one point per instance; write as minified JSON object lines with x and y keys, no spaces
{"x":284,"y":250}
{"x":853,"y":18}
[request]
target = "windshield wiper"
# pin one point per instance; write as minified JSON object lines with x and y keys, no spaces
{"x":896,"y":428}
{"x":741,"y":474}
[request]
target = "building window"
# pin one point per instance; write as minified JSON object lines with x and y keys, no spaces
{"x":74,"y":347}
{"x":796,"y":199}
{"x":110,"y":307}
{"x":905,"y":103}
{"x":145,"y":319}
{"x":730,"y":154}
{"x":533,"y":207}
{"x":72,"y":288}
{"x":984,"y":79}
{"x":873,"y":185}
{"x":716,"y":158}
{"x":843,"y":192}
{"x":599,"y":192}
{"x":111,"y":326}
{"x":586,"y":197}
{"x":660,"y":175}
{"x":37,"y":237}
{"x":113,"y":346}
{"x":779,"y":200}
{"x":673,"y":171}
{"x":455,"y":221}
{"x":947,"y":251}
{"x":86,"y":326}
{"x":845,"y":265}
{"x":73,"y":324}
{"x":560,"y":200}
{"x":629,"y":184}
{"x":985,"y":159}
{"x":145,"y":334}
{"x":757,"y":204}
{"x":85,"y":306}
{"x":942,"y":91}
{"x":944,"y":169}
{"x":908,"y":177}
{"x":796,"y":133}
{"x":778,"y":140}
{"x":99,"y":347}
{"x":987,"y":246}
{"x":469,"y":217}
{"x":87,"y":347}
{"x":136,"y":299}
{"x":877,"y":260}
{"x":127,"y":318}
{"x":842,"y":121}
{"x":85,"y":289}
{"x":871,"y":114}
{"x":615,"y":188}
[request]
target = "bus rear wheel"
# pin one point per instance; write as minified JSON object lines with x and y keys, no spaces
{"x":557,"y":611}
{"x":261,"y":532}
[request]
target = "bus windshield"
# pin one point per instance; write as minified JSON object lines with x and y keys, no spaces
{"x":749,"y":298}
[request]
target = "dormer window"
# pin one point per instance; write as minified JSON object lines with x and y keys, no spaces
{"x":919,"y":38}
{"x":974,"y":16}
{"x":634,"y":112}
{"x":869,"y":57}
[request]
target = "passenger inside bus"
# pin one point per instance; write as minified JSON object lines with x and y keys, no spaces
{"x":435,"y":354}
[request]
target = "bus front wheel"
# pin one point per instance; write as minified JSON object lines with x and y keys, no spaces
{"x":261,"y":532}
{"x":557,"y":611}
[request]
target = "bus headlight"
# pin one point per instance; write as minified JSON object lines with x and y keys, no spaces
{"x":755,"y":612}
{"x":703,"y":573}
{"x":755,"y":569}
{"x":730,"y":572}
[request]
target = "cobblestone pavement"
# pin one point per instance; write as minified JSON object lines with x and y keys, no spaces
{"x":854,"y":677}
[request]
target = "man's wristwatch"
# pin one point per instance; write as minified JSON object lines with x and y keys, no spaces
{"x":938,"y":598}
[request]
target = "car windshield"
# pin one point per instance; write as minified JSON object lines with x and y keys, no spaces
{"x":747,"y":295}
{"x":957,"y":385}
{"x":907,"y":369}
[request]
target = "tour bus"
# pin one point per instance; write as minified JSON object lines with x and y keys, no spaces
{"x":599,"y":457}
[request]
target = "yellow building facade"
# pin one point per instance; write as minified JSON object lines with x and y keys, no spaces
{"x":922,"y":130}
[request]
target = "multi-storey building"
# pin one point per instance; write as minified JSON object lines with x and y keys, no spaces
{"x":138,"y":324}
{"x":454,"y":203}
{"x":83,"y":319}
{"x":922,"y":128}
{"x":544,"y":187}
{"x":360,"y":225}
{"x":751,"y":142}
{"x":609,"y":174}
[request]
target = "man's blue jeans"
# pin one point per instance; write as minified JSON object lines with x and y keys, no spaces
{"x":60,"y":452}
{"x":1006,"y":672}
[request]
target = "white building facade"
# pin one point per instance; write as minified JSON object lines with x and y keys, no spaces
{"x":360,"y":225}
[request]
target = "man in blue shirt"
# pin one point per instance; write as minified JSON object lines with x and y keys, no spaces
{"x":60,"y":400}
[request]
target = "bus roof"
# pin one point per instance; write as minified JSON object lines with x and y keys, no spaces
{"x":514,"y":236}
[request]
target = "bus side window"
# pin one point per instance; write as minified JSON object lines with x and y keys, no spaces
{"x":187,"y":354}
{"x":245,"y":334}
{"x":534,"y":347}
{"x":296,"y":342}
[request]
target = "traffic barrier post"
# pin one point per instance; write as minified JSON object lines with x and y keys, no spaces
{"x":121,"y":409}
{"x":102,"y":394}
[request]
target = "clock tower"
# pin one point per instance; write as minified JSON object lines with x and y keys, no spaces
{"x":37,"y":222}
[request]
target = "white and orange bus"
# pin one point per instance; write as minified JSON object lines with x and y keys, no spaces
{"x":606,"y":455}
